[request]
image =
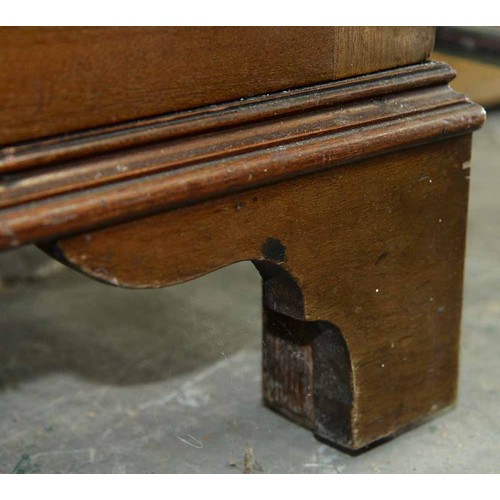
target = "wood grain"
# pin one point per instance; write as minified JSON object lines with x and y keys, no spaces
{"x":125,"y":136}
{"x":58,"y":80}
{"x":238,"y":148}
{"x":361,"y":265}
{"x":360,"y":49}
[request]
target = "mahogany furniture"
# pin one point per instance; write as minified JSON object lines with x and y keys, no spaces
{"x":336,"y":159}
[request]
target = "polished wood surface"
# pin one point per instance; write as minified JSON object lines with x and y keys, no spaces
{"x":223,"y":150}
{"x":58,"y":80}
{"x":89,"y":143}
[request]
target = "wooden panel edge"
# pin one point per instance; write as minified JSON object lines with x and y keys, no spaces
{"x":130,"y":183}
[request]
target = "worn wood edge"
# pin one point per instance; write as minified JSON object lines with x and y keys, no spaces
{"x":245,"y":157}
{"x":220,"y":145}
{"x":247,"y":110}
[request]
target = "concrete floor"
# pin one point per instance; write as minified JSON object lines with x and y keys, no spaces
{"x":98,"y":379}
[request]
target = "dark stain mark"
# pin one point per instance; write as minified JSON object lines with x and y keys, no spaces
{"x":274,"y":250}
{"x":381,"y":257}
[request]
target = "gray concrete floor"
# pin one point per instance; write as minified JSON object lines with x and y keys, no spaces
{"x":98,"y":379}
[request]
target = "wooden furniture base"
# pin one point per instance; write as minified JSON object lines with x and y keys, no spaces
{"x":349,"y":197}
{"x":362,"y":272}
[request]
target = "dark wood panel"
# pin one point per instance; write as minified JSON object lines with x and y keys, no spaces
{"x":58,"y":80}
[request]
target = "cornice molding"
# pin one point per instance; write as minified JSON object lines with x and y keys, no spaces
{"x":81,"y":181}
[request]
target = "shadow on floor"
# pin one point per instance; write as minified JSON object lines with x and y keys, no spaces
{"x":67,"y":322}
